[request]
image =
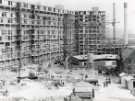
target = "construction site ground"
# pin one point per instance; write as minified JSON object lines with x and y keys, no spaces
{"x":41,"y":88}
{"x":113,"y":92}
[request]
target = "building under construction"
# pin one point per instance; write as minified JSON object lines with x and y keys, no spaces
{"x":39,"y":34}
{"x":30,"y":33}
{"x":90,"y":30}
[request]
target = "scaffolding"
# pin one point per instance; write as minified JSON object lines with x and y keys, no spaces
{"x":52,"y":33}
{"x":90,"y":30}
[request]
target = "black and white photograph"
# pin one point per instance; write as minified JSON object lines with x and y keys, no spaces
{"x":67,"y":50}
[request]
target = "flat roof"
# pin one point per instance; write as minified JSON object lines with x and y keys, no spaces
{"x":102,"y":56}
{"x":81,"y":57}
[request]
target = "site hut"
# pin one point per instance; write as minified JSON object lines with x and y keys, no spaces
{"x":125,"y":80}
{"x":93,"y":81}
{"x":79,"y":61}
{"x":131,"y":84}
{"x":84,"y":90}
{"x":121,"y":75}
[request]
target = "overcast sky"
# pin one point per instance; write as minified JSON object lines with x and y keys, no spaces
{"x":103,"y":5}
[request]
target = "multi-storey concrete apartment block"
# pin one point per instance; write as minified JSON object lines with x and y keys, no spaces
{"x":30,"y":33}
{"x":7,"y":34}
{"x":90,"y":30}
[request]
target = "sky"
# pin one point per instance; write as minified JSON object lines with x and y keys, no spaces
{"x":103,"y":5}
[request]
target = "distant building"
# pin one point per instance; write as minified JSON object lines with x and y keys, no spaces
{"x":59,"y":6}
{"x":131,"y":40}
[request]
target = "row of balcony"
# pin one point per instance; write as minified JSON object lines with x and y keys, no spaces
{"x":27,"y":6}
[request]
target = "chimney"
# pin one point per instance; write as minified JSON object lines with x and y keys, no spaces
{"x":125,"y":24}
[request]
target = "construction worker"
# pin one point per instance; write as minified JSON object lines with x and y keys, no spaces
{"x":86,"y":76}
{"x":109,"y":80}
{"x":74,"y":91}
{"x":93,"y":93}
{"x":104,"y":84}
